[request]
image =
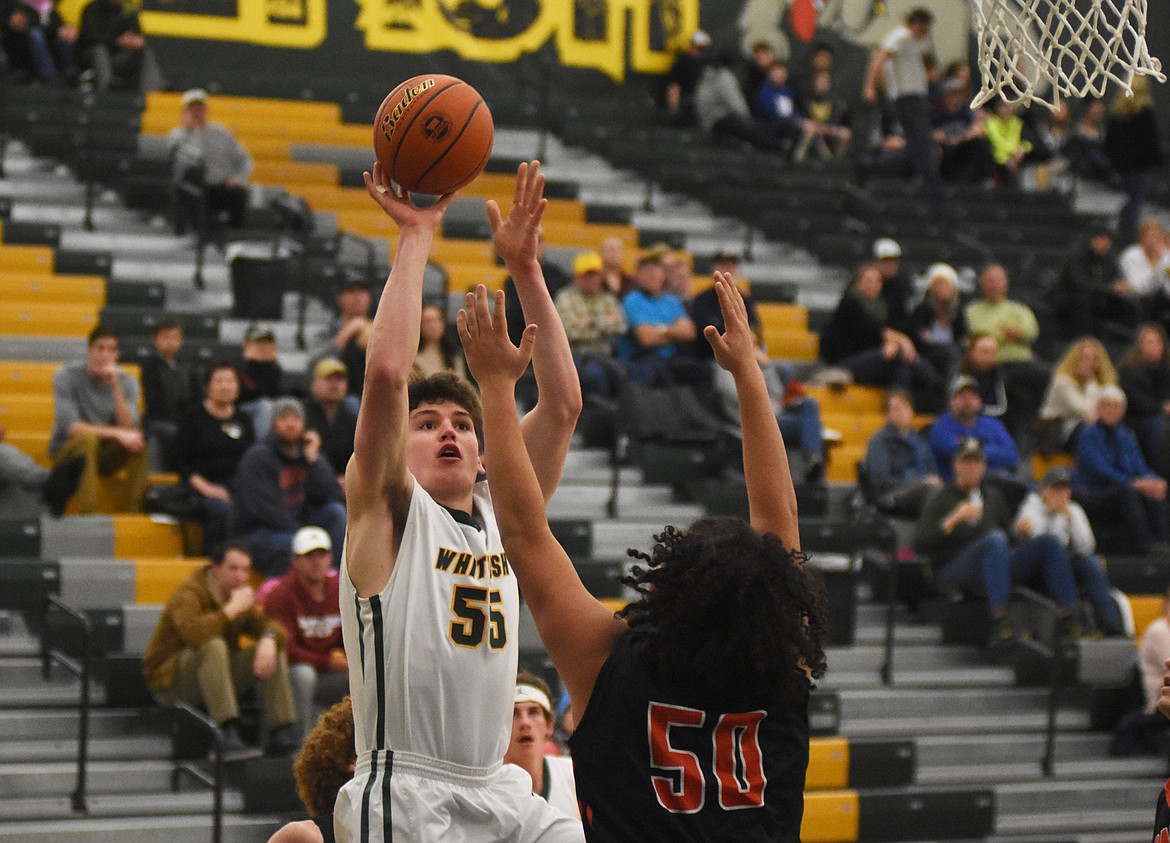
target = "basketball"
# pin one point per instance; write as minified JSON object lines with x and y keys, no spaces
{"x":433,"y":134}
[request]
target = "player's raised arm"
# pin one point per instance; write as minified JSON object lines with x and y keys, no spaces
{"x":549,"y":427}
{"x":771,"y":496}
{"x":377,"y":481}
{"x":577,"y":630}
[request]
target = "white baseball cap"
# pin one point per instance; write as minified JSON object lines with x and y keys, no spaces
{"x":886,"y":247}
{"x":308,"y":539}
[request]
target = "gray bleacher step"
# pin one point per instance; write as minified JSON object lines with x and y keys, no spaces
{"x":943,"y":750}
{"x":36,"y":185}
{"x":1021,"y":722}
{"x":41,"y":349}
{"x":62,"y":724}
{"x":119,"y":748}
{"x":142,"y":241}
{"x":612,"y":538}
{"x":119,"y":805}
{"x":640,"y":503}
{"x":180,"y":829}
{"x":215,"y":273}
{"x":109,"y":219}
{"x":1073,"y":796}
{"x":920,"y":657}
{"x":24,"y":670}
{"x":102,"y":777}
{"x":1090,"y":770}
{"x":61,"y":691}
{"x":1119,"y":826}
{"x":78,"y":535}
{"x":952,"y":677}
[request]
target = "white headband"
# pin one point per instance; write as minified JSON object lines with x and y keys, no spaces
{"x":530,"y":693}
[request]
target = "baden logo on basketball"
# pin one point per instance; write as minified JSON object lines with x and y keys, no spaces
{"x":390,"y":120}
{"x":436,"y":127}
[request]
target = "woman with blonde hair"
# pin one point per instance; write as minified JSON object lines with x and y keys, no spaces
{"x":1134,"y":148}
{"x":1077,"y":381}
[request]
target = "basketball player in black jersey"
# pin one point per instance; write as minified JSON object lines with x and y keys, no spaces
{"x":692,"y":702}
{"x":1162,"y":810}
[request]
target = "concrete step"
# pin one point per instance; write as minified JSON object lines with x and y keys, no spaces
{"x":102,"y":778}
{"x":106,"y":217}
{"x":127,"y":243}
{"x":43,"y":808}
{"x":17,"y":724}
{"x":985,"y":678}
{"x":921,"y":657}
{"x":181,"y":829}
{"x":1114,"y":825}
{"x":1086,"y":770}
{"x":1023,"y":798}
{"x":119,"y":748}
{"x":640,"y":503}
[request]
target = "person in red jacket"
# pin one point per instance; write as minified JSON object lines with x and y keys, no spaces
{"x":304,"y":602}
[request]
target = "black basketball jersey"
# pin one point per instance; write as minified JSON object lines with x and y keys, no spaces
{"x":669,"y":762}
{"x":1162,"y":816}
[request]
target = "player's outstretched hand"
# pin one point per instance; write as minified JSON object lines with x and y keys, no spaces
{"x":1163,"y":704}
{"x":397,"y":204}
{"x":735,"y":348}
{"x":483,"y":329}
{"x":515,"y":238}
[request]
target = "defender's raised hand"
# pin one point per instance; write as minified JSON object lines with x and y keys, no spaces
{"x":735,"y":348}
{"x":515,"y":238}
{"x":397,"y":205}
{"x":483,"y":329}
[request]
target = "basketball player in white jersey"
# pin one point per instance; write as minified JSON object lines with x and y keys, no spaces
{"x":429,"y":603}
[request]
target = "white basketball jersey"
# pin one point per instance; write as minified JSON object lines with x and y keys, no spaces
{"x":432,"y":658}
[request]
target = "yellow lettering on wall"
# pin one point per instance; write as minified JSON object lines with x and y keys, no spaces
{"x":587,"y":33}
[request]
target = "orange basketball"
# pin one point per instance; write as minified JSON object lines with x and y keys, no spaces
{"x":433,"y":134}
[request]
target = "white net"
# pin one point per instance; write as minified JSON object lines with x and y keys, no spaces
{"x":1045,"y":50}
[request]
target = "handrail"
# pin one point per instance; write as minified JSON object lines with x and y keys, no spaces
{"x":887,"y":669}
{"x":1055,"y":683}
{"x":207,"y":725}
{"x":81,"y":670}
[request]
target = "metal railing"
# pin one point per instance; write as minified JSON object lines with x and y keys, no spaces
{"x":215,"y":781}
{"x":80,"y":668}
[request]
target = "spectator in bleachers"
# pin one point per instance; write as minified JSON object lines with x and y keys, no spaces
{"x":212,"y":440}
{"x":755,"y":73}
{"x":1091,"y":297}
{"x":885,"y":151}
{"x":820,"y":60}
{"x":594,"y":321}
{"x":798,"y":415}
{"x":859,"y":337}
{"x":1115,"y":485}
{"x":1009,"y":148}
{"x":826,"y":132}
{"x":659,"y":332}
{"x":1144,"y":375}
{"x":1145,"y":265}
{"x":723,"y":112}
{"x":896,"y":288}
{"x":1134,"y":149}
{"x":963,"y":530}
{"x":533,"y":725}
{"x":614,"y":277}
{"x":683,"y":79}
{"x":285,"y":483}
{"x":961,"y":136}
{"x":24,"y":485}
{"x":305,"y":603}
{"x":210,"y":168}
{"x":775,"y":104}
{"x":260,"y":376}
{"x":1086,"y":146}
{"x":169,"y":391}
{"x":680,"y":276}
{"x":212,"y":642}
{"x":111,"y":45}
{"x":899,"y":59}
{"x":1077,"y":381}
{"x":938,"y":324}
{"x":978,"y":362}
{"x":1014,"y":326}
{"x":899,"y":464}
{"x":95,"y":416}
{"x":964,"y":420}
{"x":1134,"y":731}
{"x":353,"y":319}
{"x":438,"y":350}
{"x":37,"y":42}
{"x":1053,"y":511}
{"x":327,"y":412}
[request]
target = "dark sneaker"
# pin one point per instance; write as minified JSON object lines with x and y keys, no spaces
{"x":235,"y":748}
{"x":282,"y":742}
{"x":1001,"y":632}
{"x":1070,"y":628}
{"x":61,"y":484}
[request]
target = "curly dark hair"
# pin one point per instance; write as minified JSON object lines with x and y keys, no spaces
{"x":726,"y":606}
{"x":325,"y":761}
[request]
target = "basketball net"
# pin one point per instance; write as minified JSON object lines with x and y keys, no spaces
{"x":1043,"y":50}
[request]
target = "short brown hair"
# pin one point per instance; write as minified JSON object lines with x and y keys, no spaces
{"x":323,"y":765}
{"x":101,"y":332}
{"x":445,"y":386}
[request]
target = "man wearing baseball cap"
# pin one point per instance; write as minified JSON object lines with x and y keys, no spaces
{"x":532,"y":727}
{"x":964,"y":419}
{"x":211,"y":168}
{"x":305,"y":603}
{"x":328,"y":413}
{"x":1052,"y":511}
{"x":593,"y":320}
{"x":887,"y":257}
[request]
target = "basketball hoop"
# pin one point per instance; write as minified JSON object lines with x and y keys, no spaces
{"x":1043,"y":50}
